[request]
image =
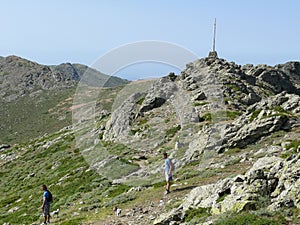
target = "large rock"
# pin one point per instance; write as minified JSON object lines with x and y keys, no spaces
{"x":158,"y":94}
{"x":119,"y":124}
{"x":287,"y":192}
{"x":269,"y":177}
{"x":262,"y":119}
{"x":292,"y":70}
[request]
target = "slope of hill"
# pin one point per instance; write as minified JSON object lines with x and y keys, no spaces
{"x":232,"y":132}
{"x":36,"y":99}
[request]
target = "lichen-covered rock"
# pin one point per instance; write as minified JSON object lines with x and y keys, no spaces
{"x":269,"y":177}
{"x":262,"y":119}
{"x":287,"y":192}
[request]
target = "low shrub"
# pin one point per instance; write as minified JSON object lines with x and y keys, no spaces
{"x":249,"y":218}
{"x":197,"y":215}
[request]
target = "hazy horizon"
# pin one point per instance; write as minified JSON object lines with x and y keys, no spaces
{"x":54,"y":32}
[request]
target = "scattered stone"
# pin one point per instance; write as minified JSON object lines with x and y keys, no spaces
{"x":75,"y":214}
{"x":4,"y":146}
{"x":16,"y":208}
{"x":31,"y":175}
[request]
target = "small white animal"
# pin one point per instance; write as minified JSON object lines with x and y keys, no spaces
{"x":117,"y":211}
{"x":56,"y":212}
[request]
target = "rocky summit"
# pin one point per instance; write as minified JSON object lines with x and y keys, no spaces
{"x":231,"y":131}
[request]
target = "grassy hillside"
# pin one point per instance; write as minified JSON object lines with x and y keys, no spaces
{"x":85,"y":197}
{"x":33,"y":116}
{"x":30,"y":117}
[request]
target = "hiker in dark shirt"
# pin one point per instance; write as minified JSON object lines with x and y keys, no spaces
{"x":46,"y":204}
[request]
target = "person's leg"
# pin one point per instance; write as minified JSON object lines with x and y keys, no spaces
{"x":46,"y":214}
{"x":168,"y":186}
{"x":45,"y":219}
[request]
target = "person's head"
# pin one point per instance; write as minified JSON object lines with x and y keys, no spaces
{"x":165,"y":155}
{"x":44,"y":187}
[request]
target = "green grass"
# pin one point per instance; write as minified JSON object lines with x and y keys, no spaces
{"x":294,"y":144}
{"x":194,"y":216}
{"x":61,"y":167}
{"x":200,"y":103}
{"x":73,"y":221}
{"x":232,"y":151}
{"x":140,"y":101}
{"x":159,"y":184}
{"x":291,"y":149}
{"x":233,"y":114}
{"x":172,"y":131}
{"x":31,"y":117}
{"x":254,"y":114}
{"x":117,"y":190}
{"x":232,"y":162}
{"x":4,"y":73}
{"x":222,"y":115}
{"x":233,"y":87}
{"x":248,"y":218}
{"x":207,"y":117}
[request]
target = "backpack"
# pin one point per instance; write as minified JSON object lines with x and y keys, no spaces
{"x":50,"y":197}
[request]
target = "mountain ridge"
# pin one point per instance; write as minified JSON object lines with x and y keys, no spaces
{"x":20,"y":76}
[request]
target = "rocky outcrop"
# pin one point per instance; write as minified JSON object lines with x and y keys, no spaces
{"x":292,"y":70}
{"x":204,"y":91}
{"x":261,"y":119}
{"x":158,"y":94}
{"x":20,"y":76}
{"x":241,"y":86}
{"x":118,"y":126}
{"x":271,"y":181}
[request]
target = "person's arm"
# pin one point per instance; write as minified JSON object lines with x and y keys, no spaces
{"x":44,"y":202}
{"x":171,"y":167}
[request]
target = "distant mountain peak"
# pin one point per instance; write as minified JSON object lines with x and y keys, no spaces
{"x":19,"y":76}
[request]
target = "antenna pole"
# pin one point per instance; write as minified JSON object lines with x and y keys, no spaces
{"x":214,"y":40}
{"x":213,"y":54}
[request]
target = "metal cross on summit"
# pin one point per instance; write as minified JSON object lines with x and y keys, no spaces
{"x":213,"y":53}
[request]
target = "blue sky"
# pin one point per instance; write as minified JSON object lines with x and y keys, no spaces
{"x":77,"y":31}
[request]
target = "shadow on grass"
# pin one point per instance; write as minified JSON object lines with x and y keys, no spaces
{"x":184,"y":188}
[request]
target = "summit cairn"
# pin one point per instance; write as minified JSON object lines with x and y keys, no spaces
{"x":213,"y":53}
